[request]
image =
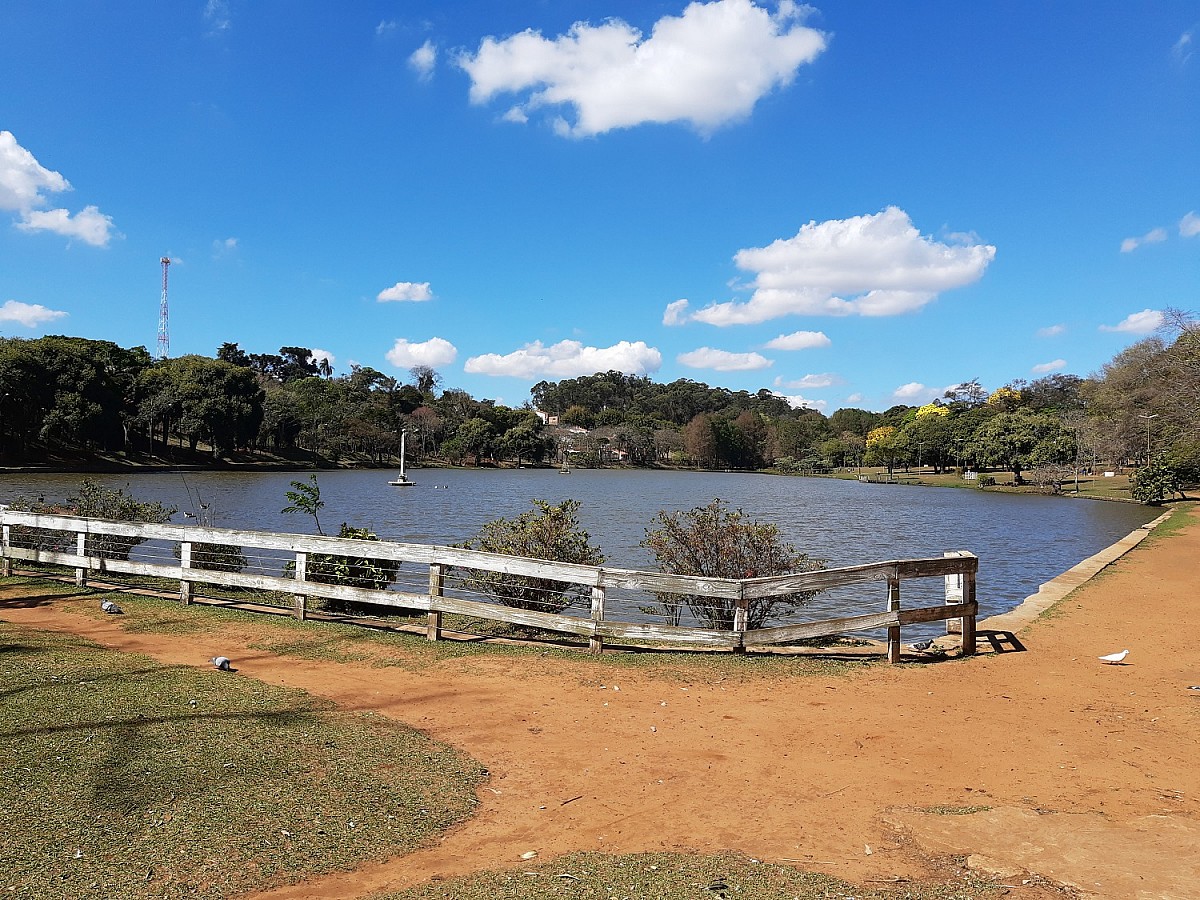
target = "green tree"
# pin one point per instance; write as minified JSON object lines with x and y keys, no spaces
{"x":1154,"y":483}
{"x":477,"y":437}
{"x":306,"y":498}
{"x":714,"y":542}
{"x":543,"y":532}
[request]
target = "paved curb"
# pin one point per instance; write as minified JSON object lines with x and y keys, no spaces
{"x":1058,"y":587}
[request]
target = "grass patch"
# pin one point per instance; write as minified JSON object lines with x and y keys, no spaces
{"x":1182,"y":516}
{"x":954,"y":810}
{"x":674,"y":876}
{"x":126,"y":778}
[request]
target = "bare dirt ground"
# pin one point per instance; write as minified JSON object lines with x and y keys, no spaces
{"x":1036,"y":762}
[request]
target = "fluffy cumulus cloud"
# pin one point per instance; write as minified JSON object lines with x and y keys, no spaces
{"x":916,"y":394}
{"x":423,"y":60}
{"x":413,"y":292}
{"x":1051,"y":331}
{"x":799,"y":340}
{"x":28,"y":314}
{"x":24,"y":188}
{"x":1189,"y":225}
{"x":810,"y":382}
{"x":707,"y":67}
{"x":798,"y":401}
{"x":875,"y":265}
{"x":567,"y":359}
{"x":1153,"y":236}
{"x":723,"y":360}
{"x":1142,"y":322}
{"x":675,"y":313}
{"x":1056,"y":365}
{"x":317,"y":355}
{"x":433,"y":352}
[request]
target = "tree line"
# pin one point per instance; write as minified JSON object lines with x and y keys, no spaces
{"x":63,"y":396}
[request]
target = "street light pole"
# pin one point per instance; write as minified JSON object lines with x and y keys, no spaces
{"x":1148,"y":418}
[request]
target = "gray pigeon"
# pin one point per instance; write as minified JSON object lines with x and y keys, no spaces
{"x":111,"y":608}
{"x":222,"y":663}
{"x":922,"y":646}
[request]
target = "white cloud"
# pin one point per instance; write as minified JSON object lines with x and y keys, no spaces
{"x":216,"y":14}
{"x":385,"y":27}
{"x":316,"y":355}
{"x":415,"y":292}
{"x":708,"y":66}
{"x":89,"y":224}
{"x":880,"y":262}
{"x":916,"y":394}
{"x":423,"y":60}
{"x":1182,"y":49}
{"x":811,"y":382}
{"x":723,"y":360}
{"x":28,"y":314}
{"x":224,"y":248}
{"x":1051,"y":331}
{"x":567,"y":359}
{"x":24,"y":188}
{"x":1142,"y":322}
{"x":799,"y":340}
{"x":1044,"y":368}
{"x":674,"y":313}
{"x":796,"y":401}
{"x":1189,"y":225}
{"x":855,"y":398}
{"x":433,"y":352}
{"x":1153,"y":236}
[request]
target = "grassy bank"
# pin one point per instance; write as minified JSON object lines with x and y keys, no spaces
{"x":126,"y":778}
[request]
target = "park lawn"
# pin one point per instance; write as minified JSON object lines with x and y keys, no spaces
{"x":126,"y":778}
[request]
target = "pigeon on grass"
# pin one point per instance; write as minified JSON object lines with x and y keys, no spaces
{"x":222,"y":663}
{"x":1114,"y":659}
{"x":111,"y":608}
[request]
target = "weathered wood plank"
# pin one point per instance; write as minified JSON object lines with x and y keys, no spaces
{"x":529,"y":617}
{"x":934,"y":613}
{"x":785,"y":634}
{"x":632,"y":631}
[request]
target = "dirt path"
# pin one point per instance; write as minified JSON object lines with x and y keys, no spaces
{"x":1082,"y":772}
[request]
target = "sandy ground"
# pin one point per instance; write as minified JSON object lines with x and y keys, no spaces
{"x":1037,"y":760}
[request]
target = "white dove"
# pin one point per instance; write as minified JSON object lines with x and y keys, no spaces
{"x":222,"y":663}
{"x":1113,"y":658}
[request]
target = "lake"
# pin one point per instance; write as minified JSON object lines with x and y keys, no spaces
{"x":1021,"y":540}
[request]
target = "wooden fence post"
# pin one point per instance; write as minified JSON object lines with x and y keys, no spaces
{"x":185,"y":562}
{"x":300,"y":601}
{"x":7,"y":558}
{"x":433,"y":621}
{"x":968,"y":621}
{"x":81,"y":550}
{"x":893,"y":605}
{"x":741,"y":614}
{"x":596,"y":642}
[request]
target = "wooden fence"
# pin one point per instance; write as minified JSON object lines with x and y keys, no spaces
{"x":167,"y":551}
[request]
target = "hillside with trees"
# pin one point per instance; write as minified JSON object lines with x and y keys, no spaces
{"x":69,"y":398}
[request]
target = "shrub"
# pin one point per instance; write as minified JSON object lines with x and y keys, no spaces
{"x":96,"y":502}
{"x":353,"y":571}
{"x":714,"y":542}
{"x":1154,"y":483}
{"x":544,"y":532}
{"x":216,"y":557}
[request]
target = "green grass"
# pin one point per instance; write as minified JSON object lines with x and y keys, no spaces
{"x":676,"y":876}
{"x":125,"y":778}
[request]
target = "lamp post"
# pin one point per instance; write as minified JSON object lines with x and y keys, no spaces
{"x":1148,"y":418}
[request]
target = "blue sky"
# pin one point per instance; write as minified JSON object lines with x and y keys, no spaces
{"x":852,"y":204}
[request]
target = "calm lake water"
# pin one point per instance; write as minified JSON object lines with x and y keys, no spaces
{"x":1021,"y":540}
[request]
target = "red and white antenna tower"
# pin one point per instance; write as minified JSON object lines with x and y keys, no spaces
{"x":164,"y":335}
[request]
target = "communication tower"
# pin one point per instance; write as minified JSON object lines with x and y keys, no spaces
{"x":164,"y":334}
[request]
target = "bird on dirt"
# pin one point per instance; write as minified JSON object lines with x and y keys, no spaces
{"x":922,"y":646}
{"x":111,"y":608}
{"x":222,"y":663}
{"x":1114,"y":658}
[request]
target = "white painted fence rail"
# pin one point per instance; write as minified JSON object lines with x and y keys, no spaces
{"x":64,"y":541}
